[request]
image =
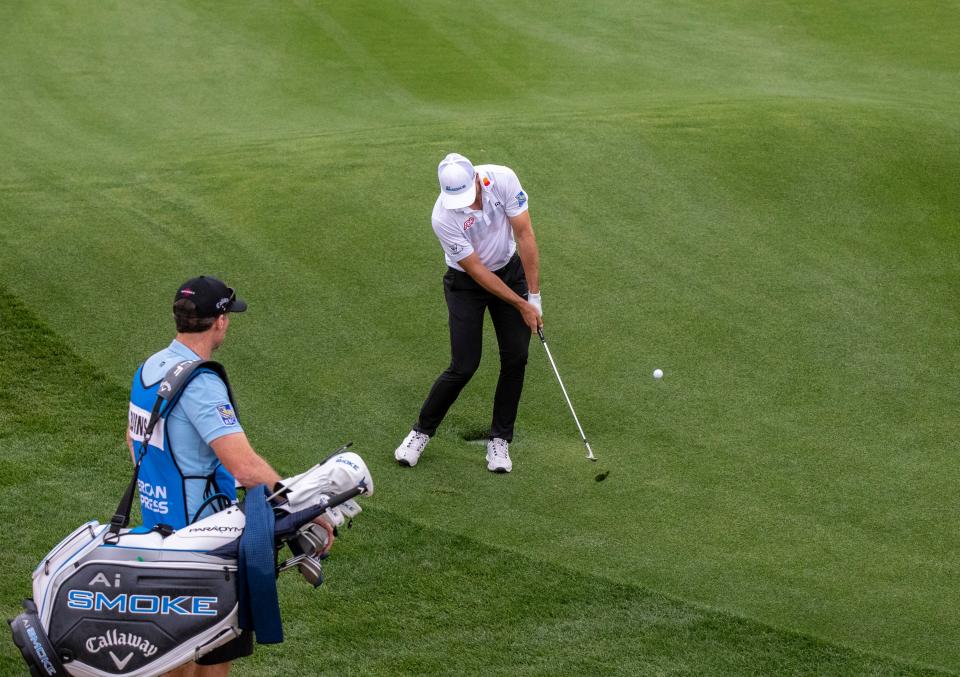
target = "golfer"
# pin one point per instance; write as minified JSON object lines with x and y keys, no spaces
{"x":199,"y":450}
{"x":483,"y":225}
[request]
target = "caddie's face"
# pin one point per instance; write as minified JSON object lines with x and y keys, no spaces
{"x":220,"y":330}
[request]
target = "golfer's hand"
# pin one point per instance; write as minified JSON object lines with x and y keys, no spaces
{"x":323,"y":522}
{"x":534,"y":300}
{"x":531,"y":317}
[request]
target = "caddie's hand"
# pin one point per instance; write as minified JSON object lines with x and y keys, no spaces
{"x":531,"y":317}
{"x":325,"y":523}
{"x":534,"y":300}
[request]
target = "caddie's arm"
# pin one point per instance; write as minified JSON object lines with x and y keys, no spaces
{"x":493,"y":284}
{"x":133,"y":455}
{"x":527,"y":246}
{"x":245,"y":464}
{"x":250,"y":469}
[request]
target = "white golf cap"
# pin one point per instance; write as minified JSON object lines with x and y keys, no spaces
{"x":458,"y":187}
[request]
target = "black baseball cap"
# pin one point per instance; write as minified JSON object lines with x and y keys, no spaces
{"x":211,"y":296}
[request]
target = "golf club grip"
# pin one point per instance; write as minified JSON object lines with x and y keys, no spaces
{"x":342,"y":448}
{"x":301,"y":517}
{"x":337,"y":499}
{"x":540,"y":334}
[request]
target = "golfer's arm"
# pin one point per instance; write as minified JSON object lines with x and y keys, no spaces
{"x":527,"y":246}
{"x":489,"y":281}
{"x":246,"y":465}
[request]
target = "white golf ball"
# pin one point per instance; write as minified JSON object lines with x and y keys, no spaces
{"x":658,"y":374}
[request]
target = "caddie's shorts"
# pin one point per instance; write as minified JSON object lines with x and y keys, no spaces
{"x":240,"y":647}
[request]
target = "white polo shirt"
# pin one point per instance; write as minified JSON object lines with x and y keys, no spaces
{"x":487,"y":231}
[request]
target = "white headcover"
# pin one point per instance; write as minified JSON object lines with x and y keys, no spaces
{"x":338,"y":474}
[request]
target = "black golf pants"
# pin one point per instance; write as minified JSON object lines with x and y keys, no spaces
{"x":466,"y":303}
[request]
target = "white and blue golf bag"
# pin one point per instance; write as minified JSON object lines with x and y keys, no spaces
{"x":109,"y":600}
{"x":142,"y":602}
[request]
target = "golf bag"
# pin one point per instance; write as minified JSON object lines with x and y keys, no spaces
{"x":143,"y":602}
{"x":109,"y":600}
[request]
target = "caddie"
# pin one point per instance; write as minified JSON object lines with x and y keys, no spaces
{"x":198,"y":451}
{"x":482,"y":221}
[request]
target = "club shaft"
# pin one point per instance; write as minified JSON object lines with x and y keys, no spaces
{"x":563,"y":389}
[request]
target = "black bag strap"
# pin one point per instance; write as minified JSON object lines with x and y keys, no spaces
{"x":170,"y":390}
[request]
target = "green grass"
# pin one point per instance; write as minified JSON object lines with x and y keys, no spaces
{"x":759,"y":198}
{"x":401,"y":597}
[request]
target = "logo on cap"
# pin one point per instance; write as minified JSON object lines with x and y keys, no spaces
{"x":187,"y":292}
{"x":222,"y":303}
{"x":451,"y":189}
{"x":486,"y":181}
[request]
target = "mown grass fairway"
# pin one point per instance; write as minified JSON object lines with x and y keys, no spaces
{"x":758,"y":197}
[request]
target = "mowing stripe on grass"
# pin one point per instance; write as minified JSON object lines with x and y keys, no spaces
{"x":411,"y":599}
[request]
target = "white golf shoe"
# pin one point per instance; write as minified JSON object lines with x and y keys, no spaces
{"x":408,"y":453}
{"x":498,"y":455}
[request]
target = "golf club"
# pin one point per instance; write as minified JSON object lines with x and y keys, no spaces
{"x":553,"y":364}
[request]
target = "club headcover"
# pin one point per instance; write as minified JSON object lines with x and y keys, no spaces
{"x":336,"y":475}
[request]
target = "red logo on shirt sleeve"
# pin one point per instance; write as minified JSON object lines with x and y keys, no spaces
{"x":469,"y":222}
